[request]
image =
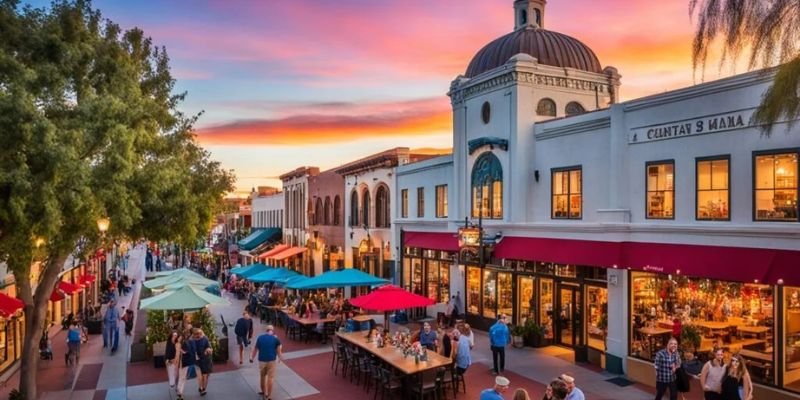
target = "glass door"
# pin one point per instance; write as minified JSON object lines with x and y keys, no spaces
{"x":526,"y":301}
{"x":546,"y":306}
{"x":568,"y":320}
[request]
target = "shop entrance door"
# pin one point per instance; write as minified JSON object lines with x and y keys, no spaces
{"x":568,"y":319}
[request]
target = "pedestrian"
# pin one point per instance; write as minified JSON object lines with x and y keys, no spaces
{"x":110,"y":328}
{"x":558,"y":390}
{"x":244,"y":333}
{"x":461,"y":354}
{"x":499,"y":338}
{"x":574,"y":392}
{"x":666,"y":362}
{"x":148,"y":261}
{"x":737,"y":384}
{"x":74,"y":336}
{"x":712,"y":375}
{"x":453,"y":311}
{"x":128,"y":318}
{"x":269,"y":350}
{"x":521,"y":394}
{"x":427,"y":337}
{"x":204,"y":351}
{"x":496,"y":393}
{"x":187,"y":360}
{"x":448,"y":312}
{"x":466,"y":332}
{"x":548,"y":393}
{"x":170,"y":358}
{"x":459,"y":303}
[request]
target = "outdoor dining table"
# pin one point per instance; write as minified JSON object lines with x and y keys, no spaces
{"x":394,"y":356}
{"x":308,"y":324}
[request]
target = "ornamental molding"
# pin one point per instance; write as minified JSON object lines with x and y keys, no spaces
{"x":462,"y":88}
{"x":476,"y":144}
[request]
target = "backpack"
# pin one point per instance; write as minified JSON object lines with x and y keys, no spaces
{"x":74,"y":335}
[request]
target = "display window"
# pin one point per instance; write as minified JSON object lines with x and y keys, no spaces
{"x":526,"y":299}
{"x":432,"y":291}
{"x":566,"y":198}
{"x":473,"y":289}
{"x":546,"y":307}
{"x":505,"y":295}
{"x":704,"y":314}
{"x":596,"y":317}
{"x":713,"y":195}
{"x":791,"y":327}
{"x":428,"y":277}
{"x":444,"y":282}
{"x":776,"y":187}
{"x":661,"y":190}
{"x":489,"y":294}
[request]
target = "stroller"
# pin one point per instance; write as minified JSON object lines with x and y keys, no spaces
{"x":45,"y":350}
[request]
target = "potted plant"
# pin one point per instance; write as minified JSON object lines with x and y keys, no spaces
{"x":517,"y":336}
{"x":534,"y":333}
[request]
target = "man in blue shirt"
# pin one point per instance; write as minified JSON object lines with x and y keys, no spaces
{"x":496,"y":393}
{"x":499,"y":338}
{"x":268,"y":347}
{"x":574,"y":392}
{"x":427,"y":337}
{"x":110,"y":330}
{"x":462,"y":356}
{"x":244,"y":333}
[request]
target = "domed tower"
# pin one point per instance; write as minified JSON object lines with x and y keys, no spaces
{"x":526,"y":76}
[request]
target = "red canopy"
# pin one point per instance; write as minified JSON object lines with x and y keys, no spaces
{"x":390,"y":298}
{"x":56,"y":295}
{"x":9,"y":305}
{"x":86,"y":279}
{"x":446,"y":241}
{"x":68,"y":288}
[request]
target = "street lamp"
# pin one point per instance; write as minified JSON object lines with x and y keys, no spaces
{"x":103,"y":224}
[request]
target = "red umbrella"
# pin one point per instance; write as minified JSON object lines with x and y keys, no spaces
{"x":390,"y":298}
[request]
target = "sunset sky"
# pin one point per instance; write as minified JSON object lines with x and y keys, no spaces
{"x":286,"y":83}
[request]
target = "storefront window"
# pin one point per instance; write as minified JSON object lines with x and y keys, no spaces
{"x":505,"y":296}
{"x":546,"y":306}
{"x":566,"y":270}
{"x":545,"y":268}
{"x":713,"y":197}
{"x":473,"y":289}
{"x":776,"y":187}
{"x":566,"y":200}
{"x":489,"y":294}
{"x":791,"y":325}
{"x":526,"y":299}
{"x":661,"y":190}
{"x":597,"y":316}
{"x":416,"y":277}
{"x":444,"y":282}
{"x":704,"y":314}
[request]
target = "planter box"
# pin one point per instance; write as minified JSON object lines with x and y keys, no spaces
{"x":94,"y":327}
{"x":221,"y":355}
{"x":138,"y":352}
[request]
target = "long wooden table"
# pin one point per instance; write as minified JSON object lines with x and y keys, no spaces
{"x":394,"y":356}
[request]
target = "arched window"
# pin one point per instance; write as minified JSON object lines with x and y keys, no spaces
{"x":523,"y":17}
{"x":365,"y":208}
{"x":319,"y":214}
{"x":574,"y":108}
{"x":354,"y":208}
{"x":538,"y":17}
{"x":487,"y":187}
{"x":546,"y":108}
{"x":382,"y":216}
{"x":327,"y":220}
{"x":337,"y":211}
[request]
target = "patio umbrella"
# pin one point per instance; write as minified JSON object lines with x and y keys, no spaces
{"x":168,"y":280}
{"x":185,"y":298}
{"x":272,"y":275}
{"x":178,"y":272}
{"x":339,"y":278}
{"x":292,"y":279}
{"x":252,"y":270}
{"x":390,"y":298}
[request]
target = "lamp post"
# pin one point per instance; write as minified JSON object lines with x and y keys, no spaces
{"x":102,"y":225}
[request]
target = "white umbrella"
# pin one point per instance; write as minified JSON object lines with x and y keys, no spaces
{"x":185,"y":298}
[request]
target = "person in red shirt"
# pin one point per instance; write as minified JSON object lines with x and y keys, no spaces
{"x":676,"y":328}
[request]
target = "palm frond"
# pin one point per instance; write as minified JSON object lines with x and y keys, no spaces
{"x":782,"y":99}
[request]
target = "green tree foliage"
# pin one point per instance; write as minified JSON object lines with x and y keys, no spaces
{"x":766,"y":33}
{"x":89,"y":128}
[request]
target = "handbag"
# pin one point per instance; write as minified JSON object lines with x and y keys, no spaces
{"x":190,"y":372}
{"x":682,"y":380}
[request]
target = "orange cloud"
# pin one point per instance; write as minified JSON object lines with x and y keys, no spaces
{"x":335,"y":122}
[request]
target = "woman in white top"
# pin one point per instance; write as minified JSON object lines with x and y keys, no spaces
{"x":466,"y":333}
{"x":712,"y":375}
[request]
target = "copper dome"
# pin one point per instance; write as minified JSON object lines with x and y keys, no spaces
{"x":548,"y":47}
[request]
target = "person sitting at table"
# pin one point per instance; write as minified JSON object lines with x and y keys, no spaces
{"x":427,"y":337}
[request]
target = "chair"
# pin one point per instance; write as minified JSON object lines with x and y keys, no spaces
{"x":453,"y":378}
{"x":341,"y":359}
{"x":389,"y":382}
{"x":335,"y":351}
{"x":428,"y":382}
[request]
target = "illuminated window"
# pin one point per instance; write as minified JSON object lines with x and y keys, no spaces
{"x":487,"y":187}
{"x":776,"y":187}
{"x":713,"y":183}
{"x":441,"y":201}
{"x":567,"y":200}
{"x":660,"y":190}
{"x":404,"y":203}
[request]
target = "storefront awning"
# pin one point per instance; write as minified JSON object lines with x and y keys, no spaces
{"x":56,"y":295}
{"x":563,"y":251}
{"x":275,"y":250}
{"x":740,"y":264}
{"x":258,"y":237}
{"x":86,"y":279}
{"x":9,"y":305}
{"x":68,"y":288}
{"x":293,"y":251}
{"x":446,"y":241}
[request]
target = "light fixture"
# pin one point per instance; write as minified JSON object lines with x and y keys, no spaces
{"x":103,"y":224}
{"x":38,"y":241}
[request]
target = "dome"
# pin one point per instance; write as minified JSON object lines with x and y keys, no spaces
{"x":548,"y":47}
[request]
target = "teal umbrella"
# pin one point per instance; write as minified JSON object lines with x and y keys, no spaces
{"x":179,"y":272}
{"x":292,"y":280}
{"x":168,"y":280}
{"x":185,"y":298}
{"x":339,"y":278}
{"x":252,"y":270}
{"x":272,"y":275}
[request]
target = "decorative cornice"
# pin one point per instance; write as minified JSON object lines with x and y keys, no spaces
{"x":462,"y":88}
{"x":476,"y":144}
{"x":579,"y":127}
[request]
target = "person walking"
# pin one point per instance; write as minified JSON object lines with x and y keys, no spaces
{"x":74,"y":336}
{"x":187,"y":357}
{"x":499,"y":338}
{"x":244,"y":333}
{"x":172,"y":360}
{"x":496,"y":393}
{"x":110,"y":328}
{"x":737,"y":384}
{"x":269,"y":350}
{"x":128,"y":318}
{"x":712,"y":375}
{"x":148,"y":261}
{"x":203,"y":350}
{"x":574,"y":392}
{"x":666,"y":362}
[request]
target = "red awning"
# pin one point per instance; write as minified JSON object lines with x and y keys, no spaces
{"x":273,"y":251}
{"x":56,"y":295}
{"x":293,"y":251}
{"x":446,"y":241}
{"x":68,"y":288}
{"x":9,"y":305}
{"x":86,"y":279}
{"x":563,"y":251}
{"x":742,"y":264}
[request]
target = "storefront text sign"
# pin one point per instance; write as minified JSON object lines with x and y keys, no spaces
{"x":469,"y":237}
{"x":691,"y":127}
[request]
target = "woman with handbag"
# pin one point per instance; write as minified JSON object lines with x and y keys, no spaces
{"x":737,"y":384}
{"x":187,"y":357}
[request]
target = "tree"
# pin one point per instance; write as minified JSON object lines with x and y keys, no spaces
{"x":766,"y":33}
{"x":90,"y":128}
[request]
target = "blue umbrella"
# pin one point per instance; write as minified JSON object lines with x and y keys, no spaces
{"x":270,"y":275}
{"x":339,"y":278}
{"x":292,"y":280}
{"x":252,"y":270}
